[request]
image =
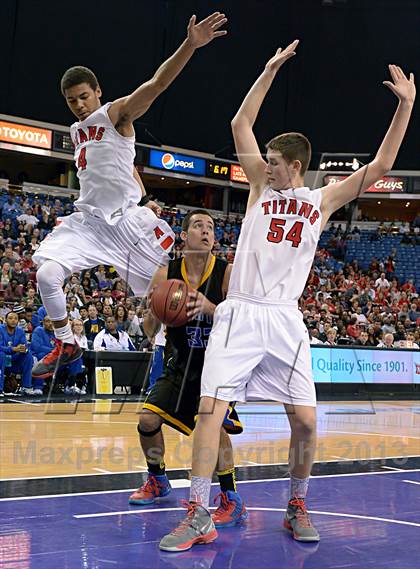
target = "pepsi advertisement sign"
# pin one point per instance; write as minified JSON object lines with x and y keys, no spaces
{"x":177,"y":162}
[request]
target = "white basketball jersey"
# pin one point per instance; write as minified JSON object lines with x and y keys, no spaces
{"x":104,"y":160}
{"x":276,"y":246}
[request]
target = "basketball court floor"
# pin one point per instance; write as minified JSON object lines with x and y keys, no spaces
{"x":67,"y":470}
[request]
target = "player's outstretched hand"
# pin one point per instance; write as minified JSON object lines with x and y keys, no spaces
{"x":204,"y":32}
{"x":198,"y":304}
{"x":155,"y":207}
{"x":403,"y":88}
{"x":281,"y":56}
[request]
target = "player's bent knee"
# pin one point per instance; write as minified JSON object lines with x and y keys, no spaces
{"x":149,"y":424}
{"x":51,"y":275}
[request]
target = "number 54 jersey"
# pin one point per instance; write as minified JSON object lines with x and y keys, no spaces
{"x":276,"y":246}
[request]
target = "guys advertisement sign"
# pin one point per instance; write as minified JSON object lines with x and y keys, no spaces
{"x":351,"y":365}
{"x":177,"y":162}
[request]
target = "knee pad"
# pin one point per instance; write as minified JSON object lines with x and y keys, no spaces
{"x":148,"y":433}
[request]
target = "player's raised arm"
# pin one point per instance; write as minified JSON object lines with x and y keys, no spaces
{"x":245,"y":142}
{"x":337,"y":195}
{"x":130,"y":108}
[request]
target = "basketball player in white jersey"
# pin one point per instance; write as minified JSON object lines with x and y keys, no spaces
{"x":109,"y":228}
{"x":259,"y":346}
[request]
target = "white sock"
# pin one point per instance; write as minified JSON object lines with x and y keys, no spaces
{"x":200,"y":491}
{"x":65,"y":334}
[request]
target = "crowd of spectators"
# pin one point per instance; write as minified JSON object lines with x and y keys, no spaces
{"x":341,"y":304}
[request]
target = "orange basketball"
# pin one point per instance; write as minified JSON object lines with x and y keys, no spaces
{"x":169,"y":302}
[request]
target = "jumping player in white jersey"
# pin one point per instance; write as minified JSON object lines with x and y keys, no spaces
{"x":269,"y":356}
{"x":109,"y":227}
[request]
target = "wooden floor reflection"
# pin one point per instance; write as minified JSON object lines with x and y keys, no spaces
{"x":63,"y":439}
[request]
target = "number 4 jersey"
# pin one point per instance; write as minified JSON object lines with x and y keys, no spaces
{"x":276,"y":246}
{"x":105,"y":163}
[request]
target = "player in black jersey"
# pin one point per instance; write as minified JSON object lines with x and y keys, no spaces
{"x":175,"y":397}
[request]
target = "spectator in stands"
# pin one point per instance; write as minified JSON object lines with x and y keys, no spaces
{"x":118,"y":292}
{"x":112,"y":339}
{"x":388,"y":326}
{"x":331,"y":337}
{"x":353,"y":329}
{"x":5,"y":275}
{"x":409,"y":287}
{"x":363,"y":339}
{"x":403,"y":314}
{"x":399,"y":333}
{"x":410,"y":343}
{"x":93,"y":324}
{"x":13,"y":292}
{"x":28,"y":219}
{"x":86,"y":285}
{"x":15,"y":354}
{"x":19,"y":275}
{"x":133,"y":327}
{"x":106,"y":296}
{"x":414,"y":313}
{"x":84,"y":315}
{"x":103,"y":279}
{"x":79,"y":333}
{"x":120,"y":314}
{"x":107,"y":311}
{"x":9,"y":256}
{"x":313,"y":335}
{"x":10,"y":206}
{"x":388,"y":341}
{"x":382,"y":283}
{"x":73,"y":309}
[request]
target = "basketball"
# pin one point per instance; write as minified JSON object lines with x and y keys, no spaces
{"x":169,"y":302}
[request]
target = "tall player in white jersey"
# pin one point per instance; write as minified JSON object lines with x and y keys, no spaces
{"x":109,"y":227}
{"x":259,"y":346}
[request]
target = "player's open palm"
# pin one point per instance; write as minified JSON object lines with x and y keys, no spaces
{"x":205,"y":31}
{"x":281,"y":56}
{"x":403,"y":88}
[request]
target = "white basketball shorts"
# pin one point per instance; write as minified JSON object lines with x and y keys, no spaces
{"x":258,"y":352}
{"x":136,"y":246}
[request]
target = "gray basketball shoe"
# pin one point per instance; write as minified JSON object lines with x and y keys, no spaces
{"x":196,"y":527}
{"x":296,"y":519}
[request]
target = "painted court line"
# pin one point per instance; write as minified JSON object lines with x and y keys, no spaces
{"x":334,"y":514}
{"x":77,"y":474}
{"x":184,"y":483}
{"x":179,"y":483}
{"x":411,"y":482}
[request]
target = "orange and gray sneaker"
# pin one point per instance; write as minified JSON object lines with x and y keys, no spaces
{"x":231,"y":510}
{"x":154,"y":487}
{"x":297,"y":520}
{"x":196,"y":528}
{"x":63,"y":354}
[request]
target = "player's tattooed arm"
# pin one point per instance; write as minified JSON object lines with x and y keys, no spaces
{"x":246,"y":145}
{"x":151,"y":323}
{"x":337,"y":195}
{"x":127,"y":109}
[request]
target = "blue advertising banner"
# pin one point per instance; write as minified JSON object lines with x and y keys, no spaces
{"x":352,"y":365}
{"x":177,"y":162}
